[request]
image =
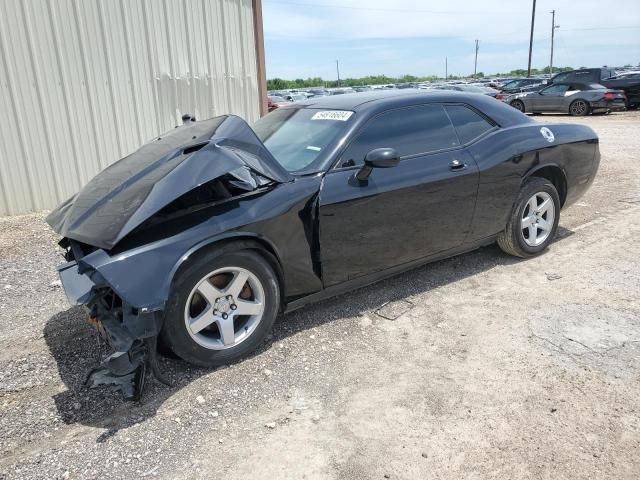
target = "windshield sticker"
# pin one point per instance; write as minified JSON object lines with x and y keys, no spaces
{"x":340,"y":115}
{"x":315,"y":149}
{"x":548,"y":134}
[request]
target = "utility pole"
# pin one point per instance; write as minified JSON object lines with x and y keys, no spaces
{"x":338,"y":70}
{"x":553,"y":30}
{"x":446,"y":69}
{"x":533,"y":19}
{"x":475,"y":63}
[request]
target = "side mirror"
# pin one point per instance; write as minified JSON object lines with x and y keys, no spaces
{"x":378,"y":158}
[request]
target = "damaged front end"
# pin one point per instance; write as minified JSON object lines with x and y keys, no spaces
{"x":130,"y":332}
{"x":126,"y":232}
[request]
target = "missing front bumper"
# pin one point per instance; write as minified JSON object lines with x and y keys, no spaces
{"x":130,"y":332}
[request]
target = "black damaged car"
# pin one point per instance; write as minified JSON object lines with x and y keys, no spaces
{"x":202,"y":236}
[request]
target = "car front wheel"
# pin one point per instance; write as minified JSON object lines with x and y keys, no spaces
{"x":221,"y":307}
{"x":533,"y":221}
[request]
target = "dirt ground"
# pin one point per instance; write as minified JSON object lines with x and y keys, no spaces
{"x":481,"y":366}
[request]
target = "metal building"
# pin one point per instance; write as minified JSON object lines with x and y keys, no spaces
{"x":85,"y":82}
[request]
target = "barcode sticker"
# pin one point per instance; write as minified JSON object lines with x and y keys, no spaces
{"x":339,"y":115}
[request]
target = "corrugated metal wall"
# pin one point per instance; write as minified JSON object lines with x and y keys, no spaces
{"x":85,"y":82}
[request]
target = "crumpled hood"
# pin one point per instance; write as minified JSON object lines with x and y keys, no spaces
{"x":127,"y":193}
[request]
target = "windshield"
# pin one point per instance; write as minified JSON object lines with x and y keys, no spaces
{"x":297,"y":136}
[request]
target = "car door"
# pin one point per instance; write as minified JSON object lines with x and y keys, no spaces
{"x":550,"y":99}
{"x":420,"y":207}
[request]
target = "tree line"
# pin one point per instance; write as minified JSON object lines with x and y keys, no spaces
{"x":282,"y":84}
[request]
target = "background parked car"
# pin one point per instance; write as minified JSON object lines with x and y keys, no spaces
{"x":492,"y":92}
{"x":604,"y":76}
{"x":406,"y":85}
{"x":516,"y":86}
{"x":274,"y":102}
{"x":318,"y":92}
{"x":572,"y":98}
{"x":295,"y":97}
{"x":625,"y":75}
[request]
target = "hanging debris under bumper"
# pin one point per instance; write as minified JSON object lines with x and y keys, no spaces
{"x":130,"y":332}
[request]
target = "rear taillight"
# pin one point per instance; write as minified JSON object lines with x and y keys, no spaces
{"x":499,"y":97}
{"x":608,"y":96}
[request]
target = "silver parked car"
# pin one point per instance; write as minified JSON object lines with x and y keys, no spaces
{"x":572,"y":98}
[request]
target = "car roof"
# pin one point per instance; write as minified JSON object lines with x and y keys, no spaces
{"x":591,"y":85}
{"x":354,"y":101}
{"x":375,"y":101}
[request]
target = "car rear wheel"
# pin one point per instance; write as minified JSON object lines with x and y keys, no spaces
{"x":221,"y":308}
{"x":518,"y":105}
{"x":533,"y":221}
{"x":579,"y":108}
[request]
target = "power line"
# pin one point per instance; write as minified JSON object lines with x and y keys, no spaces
{"x":378,"y":9}
{"x":614,"y":27}
{"x":510,"y":35}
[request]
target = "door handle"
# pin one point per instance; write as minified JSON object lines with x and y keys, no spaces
{"x":456,"y":165}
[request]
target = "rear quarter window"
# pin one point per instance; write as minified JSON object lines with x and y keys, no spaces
{"x":469,"y":124}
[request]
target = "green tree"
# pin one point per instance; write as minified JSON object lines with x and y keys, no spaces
{"x":277,"y":84}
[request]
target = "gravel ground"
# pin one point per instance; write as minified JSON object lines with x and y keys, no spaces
{"x":480,"y":366}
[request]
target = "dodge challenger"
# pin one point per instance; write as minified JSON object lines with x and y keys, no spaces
{"x":200,"y":238}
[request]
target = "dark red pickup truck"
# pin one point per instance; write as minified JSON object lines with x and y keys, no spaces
{"x":604,"y":76}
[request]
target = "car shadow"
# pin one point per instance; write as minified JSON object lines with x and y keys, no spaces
{"x":77,"y":348}
{"x":566,"y":115}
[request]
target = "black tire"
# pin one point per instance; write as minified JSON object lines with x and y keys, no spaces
{"x":174,"y":331}
{"x":579,"y":108}
{"x":518,"y":105}
{"x":511,"y":240}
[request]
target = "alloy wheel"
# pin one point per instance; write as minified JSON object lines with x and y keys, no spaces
{"x":579,"y":107}
{"x":538,"y":218}
{"x":224,"y":308}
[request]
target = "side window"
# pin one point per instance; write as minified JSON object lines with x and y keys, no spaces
{"x":555,"y":90}
{"x":410,"y":130}
{"x":467,"y":123}
{"x":606,"y":73}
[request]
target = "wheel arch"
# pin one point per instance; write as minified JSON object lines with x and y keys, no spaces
{"x":555,"y":175}
{"x":519,"y":100}
{"x":233,"y":242}
{"x":578,"y":99}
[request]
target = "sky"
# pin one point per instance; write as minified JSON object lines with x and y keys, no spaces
{"x":304,"y":38}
